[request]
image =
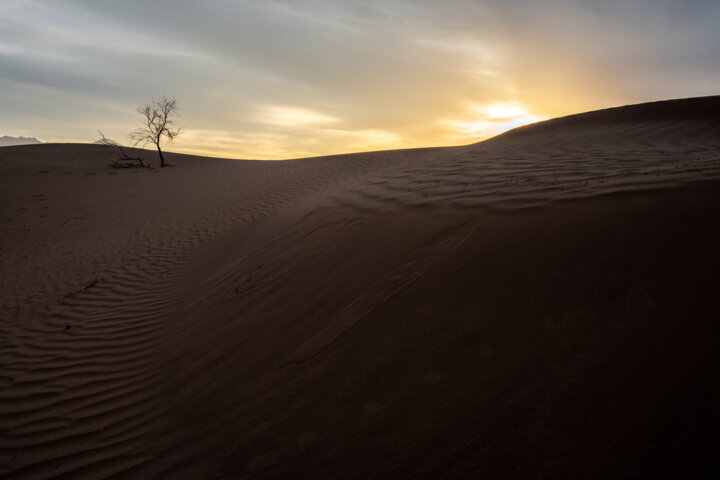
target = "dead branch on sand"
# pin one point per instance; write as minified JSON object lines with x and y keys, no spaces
{"x":124,"y":160}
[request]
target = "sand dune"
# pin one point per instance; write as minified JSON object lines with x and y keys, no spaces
{"x":542,"y":304}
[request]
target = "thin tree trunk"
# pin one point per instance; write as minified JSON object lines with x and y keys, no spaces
{"x":162,"y":159}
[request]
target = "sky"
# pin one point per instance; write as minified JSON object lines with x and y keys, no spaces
{"x":275,"y":79}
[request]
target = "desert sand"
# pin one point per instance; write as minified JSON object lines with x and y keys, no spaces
{"x":543,"y":304}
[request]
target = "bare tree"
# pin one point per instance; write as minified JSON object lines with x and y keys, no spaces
{"x":158,"y":123}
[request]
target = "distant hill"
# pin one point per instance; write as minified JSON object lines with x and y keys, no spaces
{"x":6,"y":141}
{"x":107,"y":141}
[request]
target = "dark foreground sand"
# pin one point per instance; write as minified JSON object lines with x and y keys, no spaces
{"x":541,"y":305}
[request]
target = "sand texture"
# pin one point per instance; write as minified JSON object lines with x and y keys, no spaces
{"x":540,"y":305}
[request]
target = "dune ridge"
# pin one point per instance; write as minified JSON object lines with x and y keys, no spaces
{"x":409,"y":313}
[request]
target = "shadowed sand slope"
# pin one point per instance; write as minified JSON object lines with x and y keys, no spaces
{"x":543,"y":304}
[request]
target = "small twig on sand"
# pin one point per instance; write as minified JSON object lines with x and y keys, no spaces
{"x":87,"y":285}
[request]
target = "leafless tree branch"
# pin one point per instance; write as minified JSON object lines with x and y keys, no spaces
{"x":123,"y":160}
{"x":158,"y":119}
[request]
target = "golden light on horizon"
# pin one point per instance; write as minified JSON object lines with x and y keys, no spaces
{"x":284,"y":143}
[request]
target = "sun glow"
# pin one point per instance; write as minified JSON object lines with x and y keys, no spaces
{"x":504,"y":111}
{"x":487,"y":120}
